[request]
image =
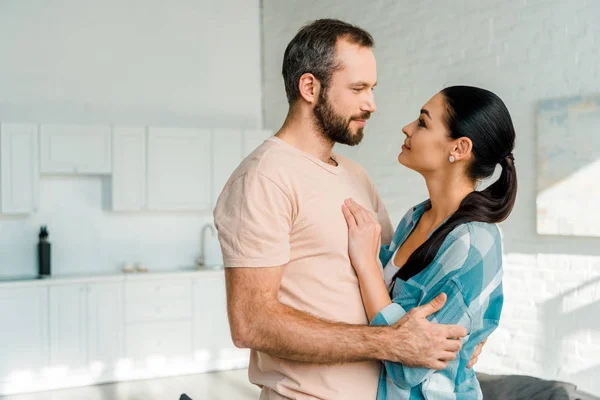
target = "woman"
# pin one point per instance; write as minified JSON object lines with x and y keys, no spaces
{"x":447,"y":244}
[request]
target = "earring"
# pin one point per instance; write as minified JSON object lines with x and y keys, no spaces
{"x":451,"y":158}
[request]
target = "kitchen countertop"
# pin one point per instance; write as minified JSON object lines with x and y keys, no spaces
{"x":109,"y":277}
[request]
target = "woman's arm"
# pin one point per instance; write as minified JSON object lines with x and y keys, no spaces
{"x":363,"y":243}
{"x":364,"y":238}
{"x":373,"y":290}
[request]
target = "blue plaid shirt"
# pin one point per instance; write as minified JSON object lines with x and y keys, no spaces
{"x":468,"y":268}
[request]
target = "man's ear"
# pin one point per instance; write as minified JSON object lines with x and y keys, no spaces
{"x":309,"y":88}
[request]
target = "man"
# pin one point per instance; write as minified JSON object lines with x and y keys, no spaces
{"x":293,"y":297}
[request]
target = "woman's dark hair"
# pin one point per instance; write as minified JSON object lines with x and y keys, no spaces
{"x":481,"y":116}
{"x":312,"y":50}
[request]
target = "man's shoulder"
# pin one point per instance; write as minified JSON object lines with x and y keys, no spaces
{"x":268,"y":158}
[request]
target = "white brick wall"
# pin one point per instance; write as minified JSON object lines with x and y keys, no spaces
{"x":525,"y":51}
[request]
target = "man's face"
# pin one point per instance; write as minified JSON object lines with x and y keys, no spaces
{"x":344,"y":107}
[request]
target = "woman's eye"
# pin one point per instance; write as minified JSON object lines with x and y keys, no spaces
{"x":421,"y":123}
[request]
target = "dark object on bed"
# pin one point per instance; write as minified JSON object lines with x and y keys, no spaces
{"x":520,"y":387}
{"x":185,"y":397}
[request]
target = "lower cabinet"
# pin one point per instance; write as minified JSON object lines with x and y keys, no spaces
{"x":60,"y":335}
{"x":86,"y":334}
{"x":24,"y":344}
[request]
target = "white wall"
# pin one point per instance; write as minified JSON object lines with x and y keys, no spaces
{"x":525,"y":51}
{"x":183,"y":63}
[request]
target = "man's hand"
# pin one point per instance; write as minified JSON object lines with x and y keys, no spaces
{"x":416,"y":342}
{"x":476,"y":354}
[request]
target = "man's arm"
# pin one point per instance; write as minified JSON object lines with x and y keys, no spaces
{"x":259,"y":321}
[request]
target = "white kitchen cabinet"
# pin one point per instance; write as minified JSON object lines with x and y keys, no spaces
{"x":19,"y":168}
{"x":68,"y":326}
{"x":60,"y":333}
{"x":75,"y":149}
{"x":156,"y":300}
{"x":129,"y":169}
{"x":212,"y":338}
{"x":168,"y":340}
{"x":158,"y":325}
{"x":86,"y":325}
{"x":254,"y":138}
{"x":179,"y":169}
{"x":105,"y":337}
{"x":24,"y":332}
{"x":227,"y":151}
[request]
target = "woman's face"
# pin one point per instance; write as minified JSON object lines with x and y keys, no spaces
{"x":427,"y":146}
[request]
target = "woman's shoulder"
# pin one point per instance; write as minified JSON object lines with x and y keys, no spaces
{"x":478,"y":245}
{"x":476,"y":233}
{"x":472,"y":243}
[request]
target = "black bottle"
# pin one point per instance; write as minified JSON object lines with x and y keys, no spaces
{"x":44,"y":253}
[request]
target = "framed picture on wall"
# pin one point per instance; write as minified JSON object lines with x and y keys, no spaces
{"x":568,"y":166}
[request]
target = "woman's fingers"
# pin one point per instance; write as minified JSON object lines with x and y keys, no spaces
{"x":361,"y":215}
{"x":350,"y":220}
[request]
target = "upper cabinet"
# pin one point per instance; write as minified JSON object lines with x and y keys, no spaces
{"x":179,"y":166}
{"x":75,"y":149}
{"x":152,"y":168}
{"x":19,"y":168}
{"x":129,"y":169}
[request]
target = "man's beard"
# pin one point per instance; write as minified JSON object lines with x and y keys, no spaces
{"x":335,"y":127}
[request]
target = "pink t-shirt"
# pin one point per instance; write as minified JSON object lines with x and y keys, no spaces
{"x":282,"y":206}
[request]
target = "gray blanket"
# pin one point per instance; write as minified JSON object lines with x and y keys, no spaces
{"x":519,"y":387}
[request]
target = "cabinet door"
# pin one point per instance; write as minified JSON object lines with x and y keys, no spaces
{"x":24,"y":332}
{"x":178,"y":169}
{"x":75,"y":149}
{"x":105,"y":324}
{"x":19,"y":170}
{"x":157,"y":300}
{"x":253,"y":139}
{"x":129,"y":169}
{"x":227,"y":150}
{"x":68,"y":326}
{"x":212,"y":338}
{"x":167,"y":340}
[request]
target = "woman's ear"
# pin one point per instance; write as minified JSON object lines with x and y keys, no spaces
{"x":462,"y":148}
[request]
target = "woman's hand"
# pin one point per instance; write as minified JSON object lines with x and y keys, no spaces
{"x":364,"y":237}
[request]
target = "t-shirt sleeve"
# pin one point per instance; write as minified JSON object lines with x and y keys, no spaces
{"x":253,"y":218}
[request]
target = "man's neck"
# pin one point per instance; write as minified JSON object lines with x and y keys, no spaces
{"x":300,"y":131}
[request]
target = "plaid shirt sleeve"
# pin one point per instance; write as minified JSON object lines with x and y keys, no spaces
{"x":454,"y":312}
{"x":468,"y":269}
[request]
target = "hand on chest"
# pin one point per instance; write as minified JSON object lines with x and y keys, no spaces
{"x":320,"y":222}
